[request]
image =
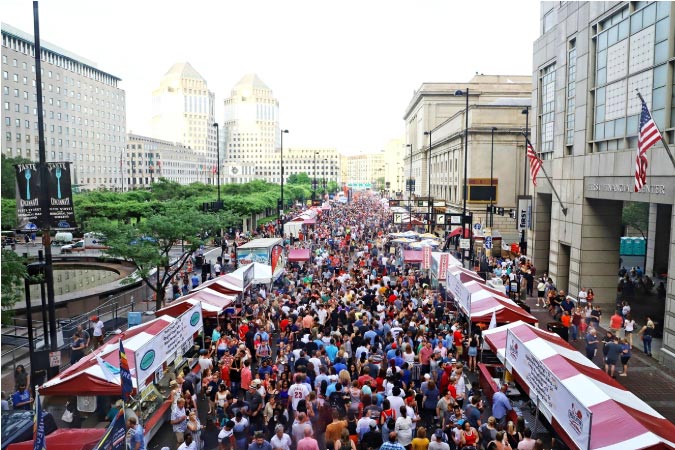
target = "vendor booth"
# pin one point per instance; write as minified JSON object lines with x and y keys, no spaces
{"x":156,"y":351}
{"x":224,"y":284}
{"x":66,"y":439}
{"x":413,"y":256}
{"x":299,"y":255}
{"x":585,"y":406}
{"x":213,"y":304}
{"x":440,"y":264}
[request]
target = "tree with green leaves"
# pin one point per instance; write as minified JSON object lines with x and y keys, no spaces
{"x":299,"y":178}
{"x":13,"y":274}
{"x":148,"y":244}
{"x":8,"y":180}
{"x":636,"y":215}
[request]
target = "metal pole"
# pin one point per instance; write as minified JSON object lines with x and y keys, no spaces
{"x":428,"y":133}
{"x":410,"y":191}
{"x":45,"y":192}
{"x":218,"y":159}
{"x":122,"y":167}
{"x":492,"y":157}
{"x":29,"y":325}
{"x":526,"y":111}
{"x":282,"y":180}
{"x":43,"y":299}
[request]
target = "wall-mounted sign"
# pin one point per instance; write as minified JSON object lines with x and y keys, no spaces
{"x":524,"y":213}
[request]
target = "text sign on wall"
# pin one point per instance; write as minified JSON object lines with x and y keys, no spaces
{"x":163,"y":346}
{"x":524,"y":214}
{"x":554,"y":397}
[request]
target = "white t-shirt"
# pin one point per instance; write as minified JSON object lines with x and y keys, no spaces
{"x":98,"y":328}
{"x":296,"y":393}
{"x":396,"y":403}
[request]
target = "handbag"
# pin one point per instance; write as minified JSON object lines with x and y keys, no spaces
{"x":67,"y":415}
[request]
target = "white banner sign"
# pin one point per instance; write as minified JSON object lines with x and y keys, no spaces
{"x":524,"y":213}
{"x":163,"y":346}
{"x":459,"y":292}
{"x":554,"y":399}
{"x":426,"y":260}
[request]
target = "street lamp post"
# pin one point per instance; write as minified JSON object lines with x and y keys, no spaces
{"x":281,"y":210}
{"x":218,"y":158}
{"x":410,"y":190}
{"x":466,"y":154}
{"x":526,"y":111}
{"x":428,"y":133}
{"x":492,"y":156}
{"x":314,"y":181}
{"x":325,"y":174}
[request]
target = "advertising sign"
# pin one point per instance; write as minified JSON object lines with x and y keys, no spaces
{"x":248,"y":275}
{"x":465,"y":243}
{"x":275,"y":257}
{"x":554,"y":399}
{"x":28,"y":201}
{"x":163,"y":345}
{"x":460,"y":293}
{"x":426,"y":260}
{"x":251,"y":255}
{"x":443,"y":269}
{"x":524,"y":213}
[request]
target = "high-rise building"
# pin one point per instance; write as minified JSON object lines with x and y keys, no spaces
{"x":84,"y":110}
{"x":589,"y":63}
{"x":183,"y":111}
{"x":251,"y":133}
{"x":363,"y":171}
{"x":320,"y":163}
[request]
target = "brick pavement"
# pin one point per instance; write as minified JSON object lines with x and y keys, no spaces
{"x":647,"y":378}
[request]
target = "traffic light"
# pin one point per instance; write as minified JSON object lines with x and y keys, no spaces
{"x":500,"y":211}
{"x":512,"y":213}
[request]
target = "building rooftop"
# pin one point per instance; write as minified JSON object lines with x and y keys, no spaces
{"x":251,"y":80}
{"x":184,"y":70}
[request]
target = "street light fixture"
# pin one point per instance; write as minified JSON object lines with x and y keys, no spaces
{"x":325,"y":174}
{"x":218,"y":158}
{"x":281,"y":209}
{"x":492,"y":156}
{"x":409,"y":184}
{"x":314,"y":181}
{"x":460,"y":93}
{"x":526,"y":111}
{"x":428,"y":133}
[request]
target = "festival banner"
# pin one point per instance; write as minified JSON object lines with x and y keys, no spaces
{"x":443,"y":269}
{"x":546,"y":390}
{"x":163,"y":346}
{"x":426,"y":260}
{"x":60,"y":195}
{"x":115,"y":435}
{"x":39,"y":436}
{"x":459,"y":292}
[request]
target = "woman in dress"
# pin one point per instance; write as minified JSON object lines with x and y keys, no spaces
{"x":404,"y":428}
{"x":469,"y":435}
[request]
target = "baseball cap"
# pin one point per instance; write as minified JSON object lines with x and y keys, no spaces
{"x":439,"y":434}
{"x":460,"y":422}
{"x":372,"y":424}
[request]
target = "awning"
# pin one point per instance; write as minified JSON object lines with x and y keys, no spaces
{"x":457,"y":231}
{"x":309,"y":222}
{"x":413,"y":256}
{"x":213,"y":303}
{"x":298,"y":254}
{"x":465,"y":275}
{"x":66,"y":439}
{"x":486,"y":300}
{"x":580,"y":393}
{"x":86,"y":377}
{"x":223,"y":284}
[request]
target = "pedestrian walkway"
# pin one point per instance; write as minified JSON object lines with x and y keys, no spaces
{"x":647,"y":378}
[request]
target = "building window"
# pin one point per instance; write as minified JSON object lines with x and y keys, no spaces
{"x":546,"y":110}
{"x":571,"y":93}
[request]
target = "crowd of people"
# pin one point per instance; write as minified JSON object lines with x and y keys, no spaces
{"x":351,"y":352}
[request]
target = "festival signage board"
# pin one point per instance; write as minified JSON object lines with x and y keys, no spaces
{"x":443,"y":269}
{"x":548,"y":391}
{"x":163,"y":346}
{"x":29,"y":202}
{"x":426,"y":258}
{"x":460,"y":293}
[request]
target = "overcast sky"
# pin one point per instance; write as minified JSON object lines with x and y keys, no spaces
{"x":343,"y":71}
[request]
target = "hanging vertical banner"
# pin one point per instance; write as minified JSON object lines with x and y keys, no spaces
{"x":28,"y":201}
{"x":443,"y":269}
{"x":524,"y":214}
{"x":426,"y":260}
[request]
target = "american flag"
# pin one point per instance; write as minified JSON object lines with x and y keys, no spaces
{"x":649,"y":135}
{"x":535,"y":162}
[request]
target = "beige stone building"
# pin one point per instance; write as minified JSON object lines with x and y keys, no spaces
{"x":148,"y":159}
{"x":394,"y":167}
{"x":494,"y":101}
{"x":183,"y":110}
{"x":588,"y":62}
{"x":84,"y":110}
{"x":362,"y":171}
{"x":319,"y":163}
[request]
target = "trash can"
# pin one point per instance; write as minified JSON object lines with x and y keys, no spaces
{"x":134,"y":319}
{"x":559,"y":329}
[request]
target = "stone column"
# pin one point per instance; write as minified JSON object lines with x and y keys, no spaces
{"x":540,"y":239}
{"x":599,"y":249}
{"x":667,"y":353}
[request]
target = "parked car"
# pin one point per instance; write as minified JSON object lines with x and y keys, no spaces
{"x":17,"y":426}
{"x":74,"y":247}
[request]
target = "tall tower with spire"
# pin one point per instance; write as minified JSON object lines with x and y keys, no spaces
{"x":183,"y":110}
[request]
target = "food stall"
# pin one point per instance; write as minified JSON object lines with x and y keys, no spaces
{"x":299,"y":255}
{"x":66,"y":439}
{"x":587,"y":408}
{"x":156,"y":351}
{"x":440,"y":264}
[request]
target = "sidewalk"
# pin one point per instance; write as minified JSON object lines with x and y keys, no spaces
{"x":647,"y":378}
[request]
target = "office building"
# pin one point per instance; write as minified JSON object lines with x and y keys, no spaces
{"x":147,"y":159}
{"x":589,"y":63}
{"x":83,"y":107}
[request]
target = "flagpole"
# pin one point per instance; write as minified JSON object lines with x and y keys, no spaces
{"x":663,"y":141}
{"x":564,"y":210}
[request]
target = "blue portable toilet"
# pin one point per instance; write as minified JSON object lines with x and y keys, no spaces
{"x":134,"y":319}
{"x":623,"y":250}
